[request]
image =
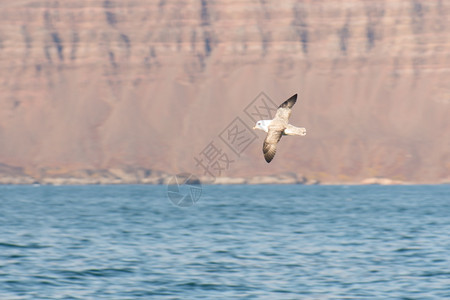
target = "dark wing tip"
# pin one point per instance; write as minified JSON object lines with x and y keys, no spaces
{"x":268,"y":157}
{"x":269,"y":151}
{"x":289,"y":102}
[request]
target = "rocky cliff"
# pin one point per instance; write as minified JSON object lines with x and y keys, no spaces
{"x":107,"y":85}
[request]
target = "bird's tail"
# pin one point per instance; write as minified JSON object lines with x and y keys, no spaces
{"x":292,"y":130}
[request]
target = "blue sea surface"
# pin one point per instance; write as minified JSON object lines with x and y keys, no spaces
{"x":236,"y":242}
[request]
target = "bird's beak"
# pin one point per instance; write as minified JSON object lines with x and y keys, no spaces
{"x":254,"y":127}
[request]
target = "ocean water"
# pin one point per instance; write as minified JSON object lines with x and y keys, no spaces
{"x":236,"y":242}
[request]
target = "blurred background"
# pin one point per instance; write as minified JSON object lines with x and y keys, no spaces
{"x":122,"y":91}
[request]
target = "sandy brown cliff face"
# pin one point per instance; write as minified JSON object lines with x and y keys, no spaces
{"x":148,"y":84}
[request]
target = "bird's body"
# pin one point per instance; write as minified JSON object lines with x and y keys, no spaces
{"x":278,"y":127}
{"x":289,"y":130}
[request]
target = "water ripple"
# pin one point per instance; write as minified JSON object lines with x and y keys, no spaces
{"x":237,"y":242}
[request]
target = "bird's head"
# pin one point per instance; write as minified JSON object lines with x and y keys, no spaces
{"x":262,"y":125}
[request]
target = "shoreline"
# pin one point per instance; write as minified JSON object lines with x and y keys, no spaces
{"x":129,"y":175}
{"x":167,"y":179}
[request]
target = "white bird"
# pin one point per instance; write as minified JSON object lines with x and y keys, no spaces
{"x":278,"y":127}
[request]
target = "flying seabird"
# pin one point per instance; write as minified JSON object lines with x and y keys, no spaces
{"x":278,"y":127}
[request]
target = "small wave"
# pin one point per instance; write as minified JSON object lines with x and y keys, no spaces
{"x":407,"y":249}
{"x":107,"y":272}
{"x":205,"y":286}
{"x":436,"y":273}
{"x":145,"y":293}
{"x":12,"y":256}
{"x":29,"y":246}
{"x":213,"y":286}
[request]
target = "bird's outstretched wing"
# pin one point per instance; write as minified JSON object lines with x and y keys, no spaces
{"x":284,"y":110}
{"x":277,"y":127}
{"x":270,"y":143}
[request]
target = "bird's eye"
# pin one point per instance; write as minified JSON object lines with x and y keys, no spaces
{"x":259,"y":123}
